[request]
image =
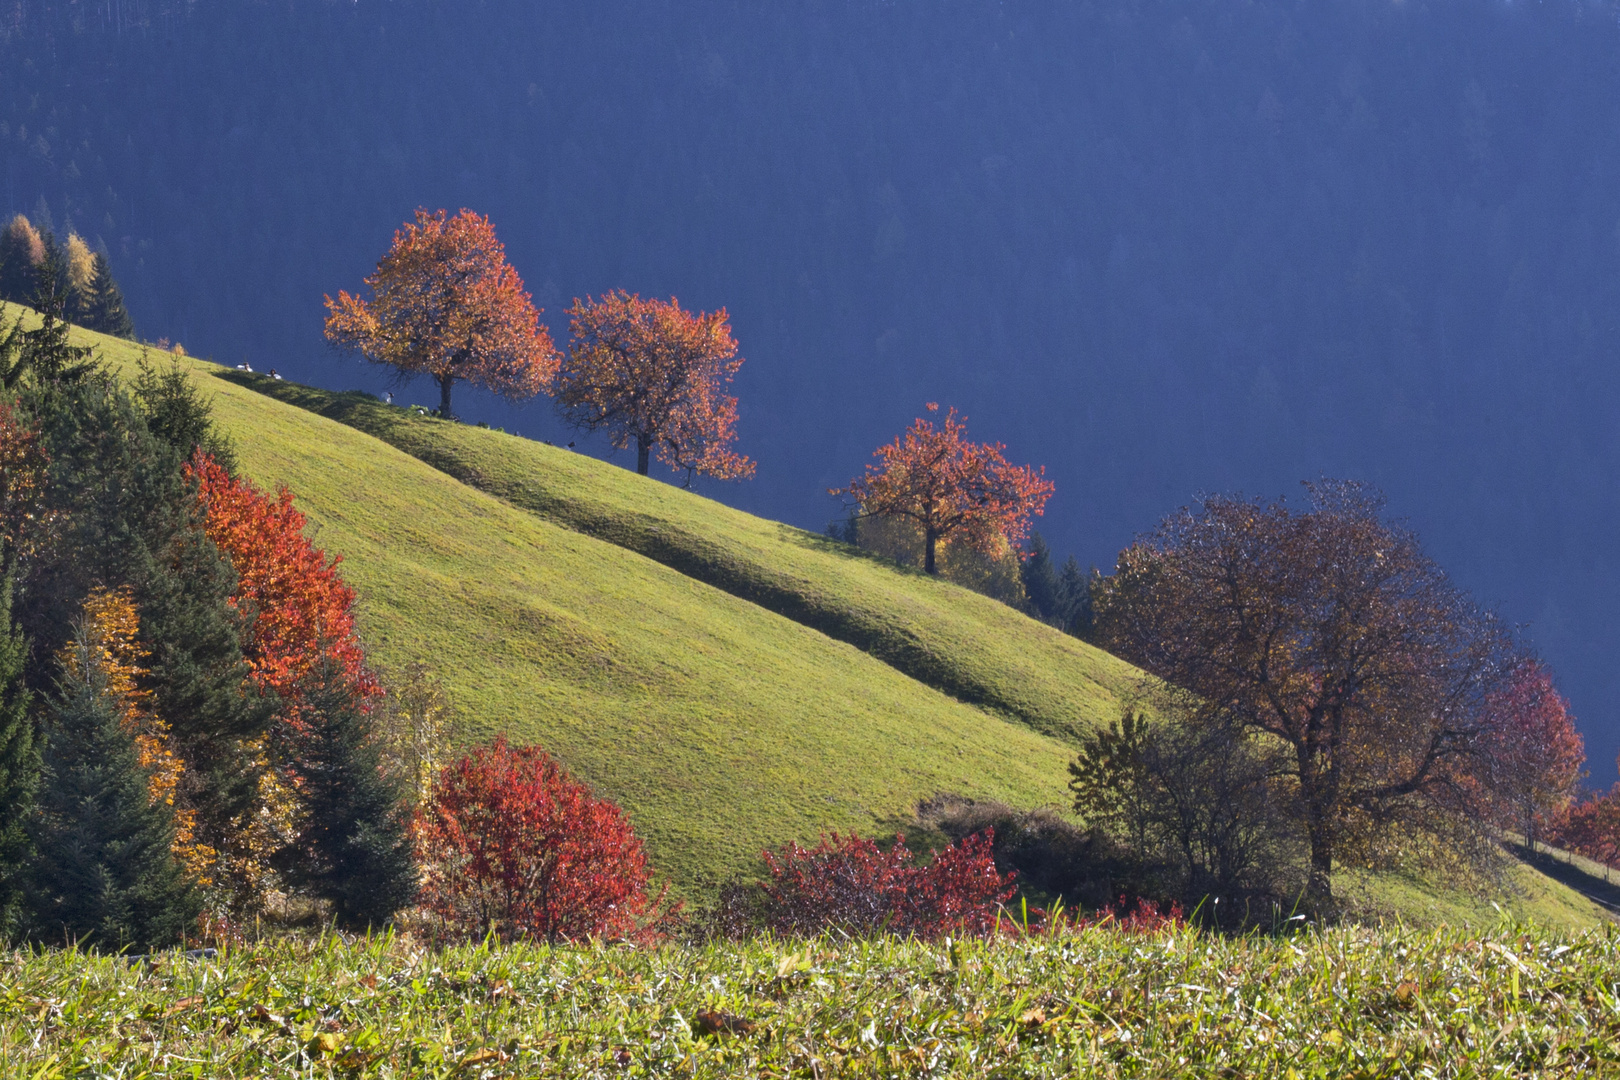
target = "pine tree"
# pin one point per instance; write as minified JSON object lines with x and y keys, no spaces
{"x":104,"y":309}
{"x":1040,"y":579}
{"x":46,"y":350}
{"x":125,"y":516}
{"x":19,"y":764}
{"x":178,"y":413}
{"x":1074,"y":612}
{"x":353,"y":848}
{"x":104,"y":873}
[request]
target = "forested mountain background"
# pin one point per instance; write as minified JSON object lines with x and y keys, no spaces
{"x":1160,"y":247}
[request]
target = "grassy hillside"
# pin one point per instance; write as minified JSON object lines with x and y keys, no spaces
{"x":720,"y":726}
{"x":969,"y":646}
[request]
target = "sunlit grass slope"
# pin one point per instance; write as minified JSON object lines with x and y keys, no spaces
{"x":720,"y":726}
{"x":969,"y":646}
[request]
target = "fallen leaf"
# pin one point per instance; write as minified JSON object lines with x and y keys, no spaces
{"x":182,"y":1005}
{"x":1406,"y":993}
{"x":722,"y":1023}
{"x":1033,"y":1017}
{"x":480,"y":1057}
{"x":324,"y":1043}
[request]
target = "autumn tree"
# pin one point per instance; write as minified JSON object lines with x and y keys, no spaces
{"x":848,"y":883}
{"x":653,"y":375}
{"x":22,"y":251}
{"x":1327,"y":629}
{"x":951,"y":488}
{"x":445,"y":302}
{"x":1533,"y":754}
{"x":515,"y":846}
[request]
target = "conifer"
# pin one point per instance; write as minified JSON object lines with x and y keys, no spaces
{"x":19,"y":764}
{"x":353,"y":847}
{"x":1040,"y":579}
{"x":104,"y":873}
{"x":104,"y":309}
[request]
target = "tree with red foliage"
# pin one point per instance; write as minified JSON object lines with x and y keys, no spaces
{"x":649,"y":373}
{"x":849,"y":883}
{"x":304,"y":613}
{"x":1534,"y":755}
{"x":446,"y":302}
{"x":514,"y":845}
{"x":1591,"y":827}
{"x":950,"y":487}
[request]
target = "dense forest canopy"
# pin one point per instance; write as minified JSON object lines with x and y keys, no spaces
{"x":1159,"y":247}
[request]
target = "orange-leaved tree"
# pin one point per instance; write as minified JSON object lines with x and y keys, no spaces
{"x":111,"y":629}
{"x":302,"y":638}
{"x":1534,"y":755}
{"x":653,"y":375}
{"x":951,"y":488}
{"x":445,"y":302}
{"x":304,"y":613}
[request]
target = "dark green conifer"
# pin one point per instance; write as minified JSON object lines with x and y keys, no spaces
{"x":354,"y":849}
{"x":1040,"y":579}
{"x":125,"y":516}
{"x":176,"y":412}
{"x":104,"y":874}
{"x":19,"y":765}
{"x":1075,"y":615}
{"x":47,"y":351}
{"x":104,"y":309}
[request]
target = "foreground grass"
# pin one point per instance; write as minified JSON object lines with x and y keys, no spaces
{"x":973,"y":648}
{"x":1355,"y":1002}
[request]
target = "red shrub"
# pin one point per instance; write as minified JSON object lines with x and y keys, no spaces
{"x":849,"y":884}
{"x":514,"y":845}
{"x":1591,"y":828}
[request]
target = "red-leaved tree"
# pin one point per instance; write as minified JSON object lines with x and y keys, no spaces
{"x":848,"y":883}
{"x":304,"y":613}
{"x":23,"y":463}
{"x":1533,"y":754}
{"x":1591,"y":827}
{"x":653,"y":376}
{"x":951,"y":488}
{"x":447,"y":303}
{"x":514,"y":845}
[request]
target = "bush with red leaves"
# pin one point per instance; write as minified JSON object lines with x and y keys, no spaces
{"x":513,"y":845}
{"x":847,"y":883}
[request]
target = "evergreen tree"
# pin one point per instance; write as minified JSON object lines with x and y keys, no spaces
{"x":19,"y":764}
{"x":352,"y":848}
{"x":104,"y":873}
{"x":125,"y":515}
{"x":176,"y":412}
{"x":104,"y":309}
{"x":1040,"y":579}
{"x":46,"y":351}
{"x":1074,"y":613}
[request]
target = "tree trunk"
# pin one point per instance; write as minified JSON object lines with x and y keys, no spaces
{"x":643,"y":451}
{"x":1319,"y":886}
{"x":445,"y":382}
{"x":930,"y":539}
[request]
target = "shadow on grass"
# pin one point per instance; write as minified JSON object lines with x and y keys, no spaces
{"x":1598,"y":888}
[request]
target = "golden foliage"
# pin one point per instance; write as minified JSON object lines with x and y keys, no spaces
{"x":112,"y":631}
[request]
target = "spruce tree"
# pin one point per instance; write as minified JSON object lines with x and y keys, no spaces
{"x":177,"y":412}
{"x":103,"y":873}
{"x":104,"y":309}
{"x":126,"y":516}
{"x":353,"y":848}
{"x":47,"y":351}
{"x":1074,"y":615}
{"x":19,"y":764}
{"x":1040,"y":579}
